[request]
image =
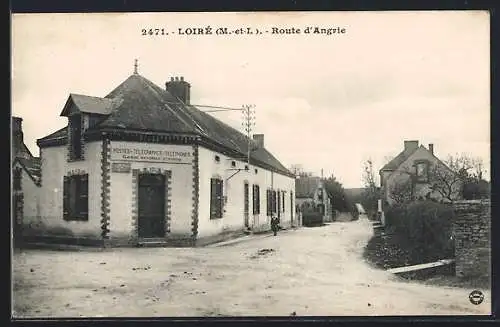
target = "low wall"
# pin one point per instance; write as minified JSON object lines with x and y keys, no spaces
{"x":471,"y":230}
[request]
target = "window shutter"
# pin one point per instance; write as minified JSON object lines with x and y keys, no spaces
{"x":268,"y":199}
{"x":221,"y":197}
{"x":66,"y":182}
{"x":84,"y":196}
{"x":283,"y":200}
{"x":213,"y":197}
{"x":258,"y":199}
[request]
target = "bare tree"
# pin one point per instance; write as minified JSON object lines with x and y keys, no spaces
{"x":371,"y":194}
{"x":368,"y":174}
{"x":447,"y":181}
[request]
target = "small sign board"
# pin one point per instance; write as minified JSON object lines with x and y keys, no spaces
{"x":121,"y":167}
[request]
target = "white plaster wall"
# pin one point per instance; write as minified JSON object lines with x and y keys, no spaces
{"x":54,"y":167}
{"x":233,"y":216}
{"x":121,"y":192}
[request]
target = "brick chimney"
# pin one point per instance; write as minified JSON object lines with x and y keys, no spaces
{"x":259,"y":139}
{"x":431,"y":148}
{"x":411,"y":145}
{"x":17,"y":131}
{"x":179,"y":88}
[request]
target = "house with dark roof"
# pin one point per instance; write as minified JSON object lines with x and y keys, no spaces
{"x":311,"y":194}
{"x":414,"y":174}
{"x":143,"y":165}
{"x":25,"y":179}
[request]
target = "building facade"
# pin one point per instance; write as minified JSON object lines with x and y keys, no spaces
{"x":312,"y":195}
{"x":416,"y":173}
{"x":144,"y":166}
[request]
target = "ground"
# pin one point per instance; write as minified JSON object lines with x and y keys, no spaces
{"x":308,"y":271}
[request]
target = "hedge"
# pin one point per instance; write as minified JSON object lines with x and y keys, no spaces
{"x":425,"y":228}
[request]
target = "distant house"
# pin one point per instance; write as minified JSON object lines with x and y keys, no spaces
{"x":416,"y":173}
{"x":310,"y":193}
{"x":25,"y":179}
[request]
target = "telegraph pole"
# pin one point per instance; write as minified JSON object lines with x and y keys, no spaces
{"x":248,"y":115}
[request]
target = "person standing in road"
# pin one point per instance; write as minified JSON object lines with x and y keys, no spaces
{"x":275,"y":224}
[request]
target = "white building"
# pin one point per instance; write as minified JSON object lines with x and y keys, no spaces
{"x":142,"y":165}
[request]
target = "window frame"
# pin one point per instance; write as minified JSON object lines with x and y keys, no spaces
{"x":76,"y":197}
{"x":256,"y":199}
{"x":424,"y":178}
{"x":216,"y":198}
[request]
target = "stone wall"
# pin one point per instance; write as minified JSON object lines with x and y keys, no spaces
{"x":471,"y":230}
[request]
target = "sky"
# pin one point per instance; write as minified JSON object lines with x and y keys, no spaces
{"x":324,"y":102}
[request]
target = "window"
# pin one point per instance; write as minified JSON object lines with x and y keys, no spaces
{"x":75,"y":125}
{"x":233,"y":164}
{"x":283,"y":201}
{"x":246,"y":199}
{"x":274,"y":203}
{"x":216,"y":198}
{"x":17,"y":179}
{"x":422,"y":171}
{"x":256,"y":199}
{"x":76,"y":200}
{"x":217,"y":159}
{"x":269,"y":202}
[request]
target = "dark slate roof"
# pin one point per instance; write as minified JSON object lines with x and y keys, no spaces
{"x":32,"y":165}
{"x":145,"y":106}
{"x":398,"y":160}
{"x":140,"y":105}
{"x":305,"y":186}
{"x":90,"y":104}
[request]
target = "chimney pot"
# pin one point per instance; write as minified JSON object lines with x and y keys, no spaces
{"x":431,"y":148}
{"x":179,"y":90}
{"x":259,"y":139}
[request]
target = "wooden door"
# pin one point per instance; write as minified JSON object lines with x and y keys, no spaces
{"x":151,"y":205}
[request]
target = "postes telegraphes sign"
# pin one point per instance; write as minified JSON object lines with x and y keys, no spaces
{"x":131,"y":153}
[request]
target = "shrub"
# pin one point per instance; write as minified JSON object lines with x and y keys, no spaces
{"x":425,"y":227}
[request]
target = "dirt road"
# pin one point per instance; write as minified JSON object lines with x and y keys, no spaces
{"x":310,"y":271}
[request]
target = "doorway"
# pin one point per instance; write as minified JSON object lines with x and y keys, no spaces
{"x":291,"y":207}
{"x":151,"y":206}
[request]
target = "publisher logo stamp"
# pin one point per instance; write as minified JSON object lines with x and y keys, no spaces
{"x":476,"y":297}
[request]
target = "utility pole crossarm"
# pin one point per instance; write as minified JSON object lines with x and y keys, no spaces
{"x":248,"y":123}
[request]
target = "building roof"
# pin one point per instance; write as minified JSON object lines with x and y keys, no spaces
{"x":32,"y":168}
{"x":305,"y":186}
{"x":398,"y":160}
{"x":89,"y":104}
{"x":138,"y":104}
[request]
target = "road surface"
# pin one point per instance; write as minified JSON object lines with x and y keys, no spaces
{"x":307,"y":272}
